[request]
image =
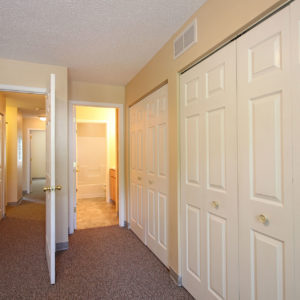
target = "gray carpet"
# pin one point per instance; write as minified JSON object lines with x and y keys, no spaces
{"x":102,"y":263}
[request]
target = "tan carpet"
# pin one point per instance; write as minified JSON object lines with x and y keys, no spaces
{"x":102,"y":263}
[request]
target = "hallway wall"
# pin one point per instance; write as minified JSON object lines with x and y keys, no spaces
{"x":218,"y":21}
{"x":38,"y":154}
{"x":94,"y":92}
{"x":27,"y":74}
{"x":14,"y":154}
{"x":34,"y":123}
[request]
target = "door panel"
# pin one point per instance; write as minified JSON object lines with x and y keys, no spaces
{"x":209,"y":177}
{"x":193,"y":235}
{"x":265,"y":161}
{"x":50,"y":180}
{"x":137,"y":171}
{"x":157,"y":172}
{"x":215,"y":143}
{"x":162,"y":221}
{"x":266,"y":267}
{"x":216,"y":253}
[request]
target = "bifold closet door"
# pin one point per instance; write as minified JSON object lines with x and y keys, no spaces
{"x":137,"y":170}
{"x":209,"y":177}
{"x":157,"y":172}
{"x":265,"y":160}
{"x":295,"y":45}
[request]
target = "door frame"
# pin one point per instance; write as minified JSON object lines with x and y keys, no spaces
{"x":107,"y":195}
{"x":121,"y":158}
{"x":28,"y":171}
{"x":15,"y":89}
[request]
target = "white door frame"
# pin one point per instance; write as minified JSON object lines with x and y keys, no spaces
{"x":72,"y":158}
{"x":107,"y":194}
{"x":15,"y":89}
{"x":28,"y":171}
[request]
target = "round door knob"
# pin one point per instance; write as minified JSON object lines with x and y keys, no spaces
{"x":262,"y":219}
{"x":215,"y":204}
{"x":58,"y":187}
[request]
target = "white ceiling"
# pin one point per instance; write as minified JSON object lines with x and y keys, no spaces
{"x":104,"y":41}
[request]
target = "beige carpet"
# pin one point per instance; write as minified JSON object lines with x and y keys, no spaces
{"x":102,"y":263}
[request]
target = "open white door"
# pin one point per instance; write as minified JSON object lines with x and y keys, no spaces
{"x":50,"y":180}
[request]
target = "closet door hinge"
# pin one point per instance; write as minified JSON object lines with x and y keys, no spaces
{"x":74,"y":209}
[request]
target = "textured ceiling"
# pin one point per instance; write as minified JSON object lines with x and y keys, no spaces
{"x":104,"y":41}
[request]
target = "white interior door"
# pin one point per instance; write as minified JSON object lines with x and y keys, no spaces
{"x":265,"y":161}
{"x":209,"y":177}
{"x":157,"y":172}
{"x":295,"y":46}
{"x":50,"y":180}
{"x":137,"y":170}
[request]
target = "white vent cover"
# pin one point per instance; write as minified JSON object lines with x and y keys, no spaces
{"x":186,"y":39}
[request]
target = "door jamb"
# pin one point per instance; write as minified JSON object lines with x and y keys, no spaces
{"x":121,"y":167}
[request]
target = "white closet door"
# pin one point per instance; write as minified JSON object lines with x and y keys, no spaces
{"x":218,"y":104}
{"x":265,"y":161}
{"x":209,"y":177}
{"x":137,"y":170}
{"x":192,"y":184}
{"x":295,"y":46}
{"x":157,"y":172}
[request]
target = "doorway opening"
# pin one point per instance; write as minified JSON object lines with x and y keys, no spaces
{"x":97,"y":165}
{"x":23,"y":154}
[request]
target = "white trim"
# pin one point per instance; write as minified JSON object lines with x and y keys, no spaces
{"x":28,"y":171}
{"x":121,"y":167}
{"x":22,"y":89}
{"x":107,"y":194}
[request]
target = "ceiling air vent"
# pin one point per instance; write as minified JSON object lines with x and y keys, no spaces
{"x":186,"y":39}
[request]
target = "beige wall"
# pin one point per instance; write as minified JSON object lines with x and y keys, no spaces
{"x":38,"y":154}
{"x":38,"y":75}
{"x":29,"y":123}
{"x":218,"y":21}
{"x":11,"y":154}
{"x":84,"y":91}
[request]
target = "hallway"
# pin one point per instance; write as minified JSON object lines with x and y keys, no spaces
{"x":37,"y":195}
{"x":106,"y":263}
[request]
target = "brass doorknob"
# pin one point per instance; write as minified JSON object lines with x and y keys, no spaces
{"x":58,"y":187}
{"x":46,"y":188}
{"x":262,"y":219}
{"x":215,"y":204}
{"x":49,"y":188}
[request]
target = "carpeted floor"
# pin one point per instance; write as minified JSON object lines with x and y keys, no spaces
{"x":102,"y":263}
